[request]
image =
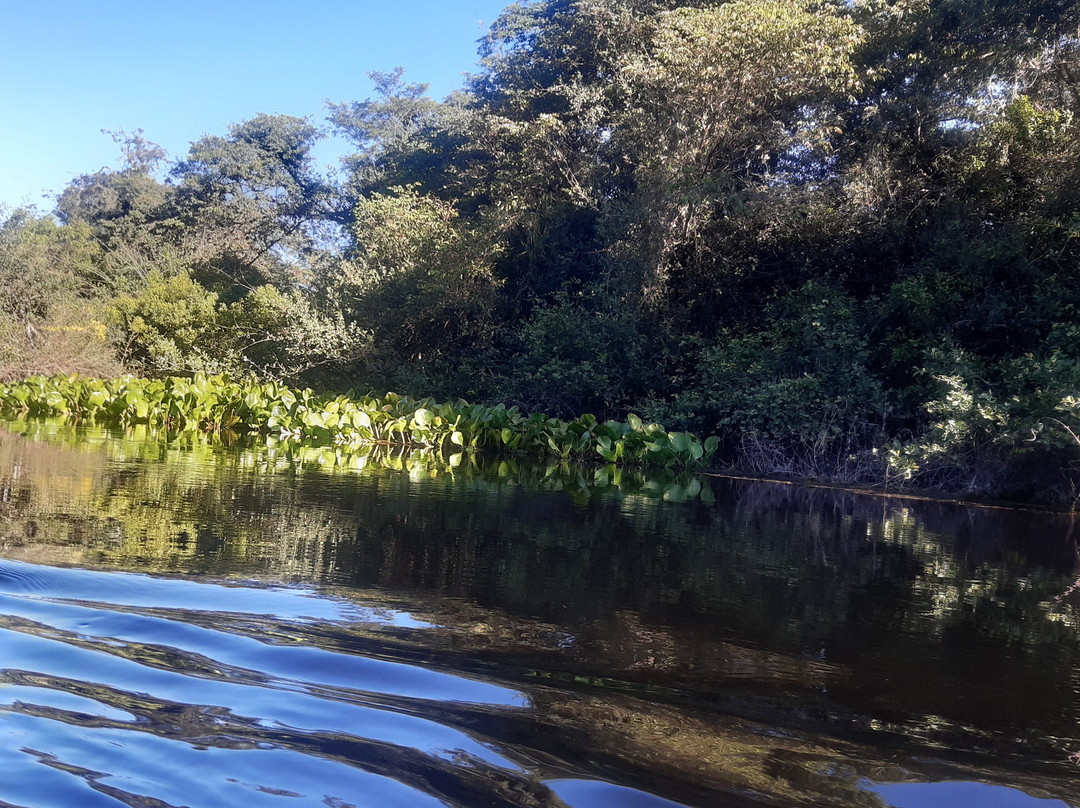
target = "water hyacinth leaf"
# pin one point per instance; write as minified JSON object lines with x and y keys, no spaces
{"x":312,"y":418}
{"x":218,"y":403}
{"x":657,"y":443}
{"x":680,"y":441}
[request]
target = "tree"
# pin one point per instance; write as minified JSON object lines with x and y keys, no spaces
{"x":129,"y":212}
{"x":257,"y":201}
{"x":719,"y":98}
{"x":420,"y":277}
{"x":51,"y":312}
{"x":393,"y":133}
{"x":108,"y":195}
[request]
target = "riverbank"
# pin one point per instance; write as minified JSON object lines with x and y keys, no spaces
{"x":913,"y":493}
{"x":1032,"y":476}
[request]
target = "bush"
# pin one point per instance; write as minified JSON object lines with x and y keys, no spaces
{"x":166,"y":326}
{"x":991,"y":425}
{"x":795,"y":397}
{"x":579,"y":356}
{"x":50,"y":319}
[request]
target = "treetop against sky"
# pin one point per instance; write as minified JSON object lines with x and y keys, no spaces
{"x":182,"y":70}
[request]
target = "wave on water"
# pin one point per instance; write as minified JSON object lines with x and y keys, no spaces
{"x":126,"y":689}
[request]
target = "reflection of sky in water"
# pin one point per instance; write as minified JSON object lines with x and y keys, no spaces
{"x":956,"y":795}
{"x":598,"y":794}
{"x":11,"y":695}
{"x":132,"y":589}
{"x":80,"y":601}
{"x":46,"y":763}
{"x":129,"y":589}
{"x":386,"y":617}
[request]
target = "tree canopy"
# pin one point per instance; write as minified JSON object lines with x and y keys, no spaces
{"x":840,"y":234}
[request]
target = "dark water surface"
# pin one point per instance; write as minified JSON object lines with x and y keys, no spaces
{"x":189,"y":624}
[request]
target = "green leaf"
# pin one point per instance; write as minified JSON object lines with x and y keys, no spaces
{"x":312,"y":418}
{"x":680,"y":441}
{"x":423,"y":417}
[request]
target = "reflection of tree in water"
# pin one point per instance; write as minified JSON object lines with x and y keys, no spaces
{"x":828,"y":606}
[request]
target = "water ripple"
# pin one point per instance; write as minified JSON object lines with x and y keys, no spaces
{"x":129,"y":689}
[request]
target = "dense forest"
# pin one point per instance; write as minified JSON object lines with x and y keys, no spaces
{"x":841,"y":235}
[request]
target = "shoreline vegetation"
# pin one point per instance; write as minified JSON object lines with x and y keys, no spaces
{"x":841,"y":237}
{"x":352,"y":430}
{"x":216,"y":404}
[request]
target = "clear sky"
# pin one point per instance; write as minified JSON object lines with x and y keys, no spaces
{"x":179,"y":70}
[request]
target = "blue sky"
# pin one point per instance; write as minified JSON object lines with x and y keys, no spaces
{"x":180,"y":70}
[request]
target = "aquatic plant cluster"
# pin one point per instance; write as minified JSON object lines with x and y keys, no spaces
{"x":218,"y":403}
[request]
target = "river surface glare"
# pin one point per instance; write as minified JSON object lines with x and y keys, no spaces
{"x":189,"y":623}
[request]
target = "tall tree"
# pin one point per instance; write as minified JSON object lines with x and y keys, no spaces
{"x":256,"y":197}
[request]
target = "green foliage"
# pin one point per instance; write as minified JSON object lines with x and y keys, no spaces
{"x":288,"y":336}
{"x":400,"y":136}
{"x":165,"y":327}
{"x":799,"y":390}
{"x":987,"y":420}
{"x":722,"y":92}
{"x":257,"y":196}
{"x":421,"y":278}
{"x":118,"y":200}
{"x":51,"y":317}
{"x":175,"y":325}
{"x":581,"y":353}
{"x":698,"y":80}
{"x":217,"y":403}
{"x":40,"y":263}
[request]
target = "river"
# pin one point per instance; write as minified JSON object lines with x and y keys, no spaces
{"x":195,"y":622}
